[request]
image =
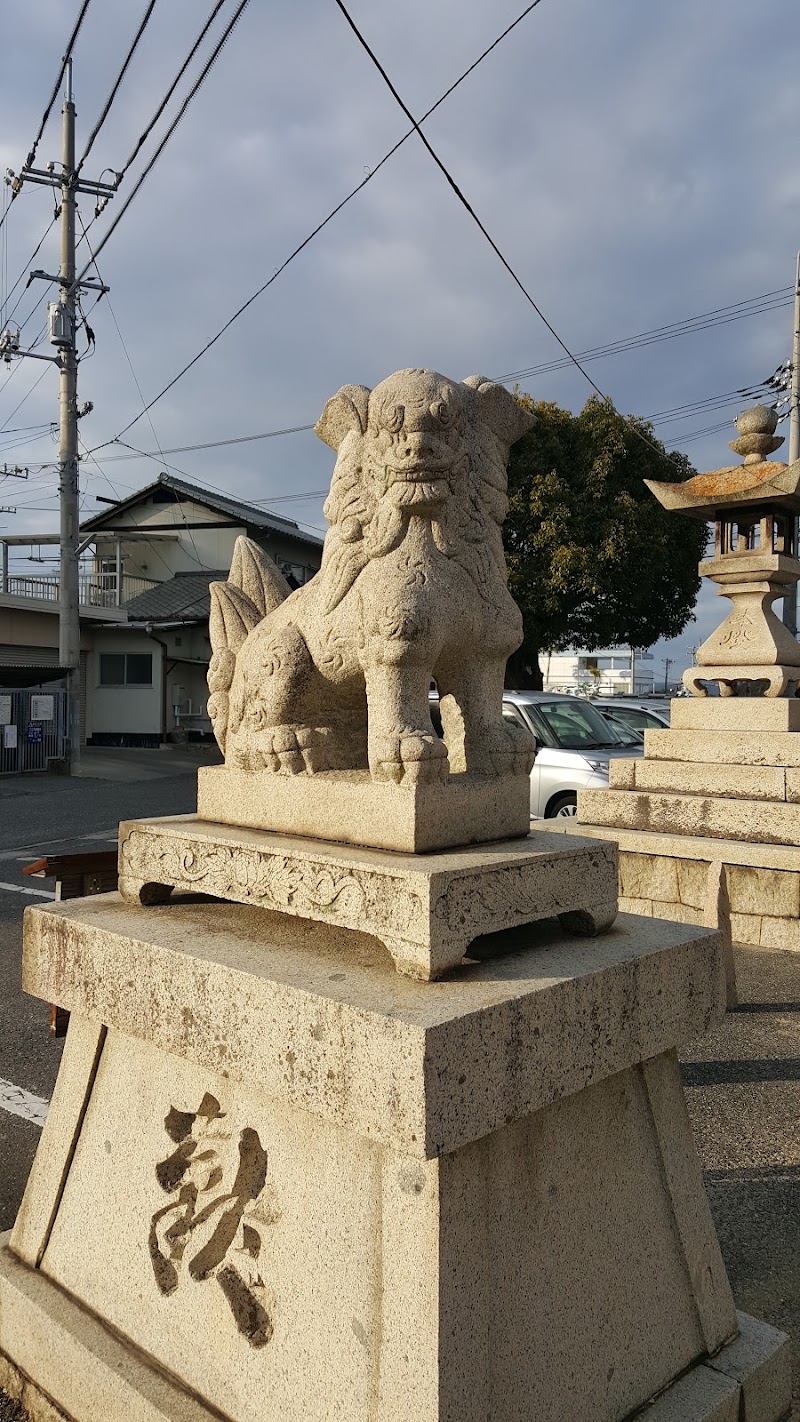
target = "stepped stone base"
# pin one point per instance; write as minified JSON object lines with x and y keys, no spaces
{"x":722,"y":786}
{"x":278,"y":1180}
{"x":426,"y":909}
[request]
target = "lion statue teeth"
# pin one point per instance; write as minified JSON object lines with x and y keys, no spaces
{"x":335,"y":676}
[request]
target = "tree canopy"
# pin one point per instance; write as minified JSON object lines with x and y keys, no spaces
{"x":594,"y":560}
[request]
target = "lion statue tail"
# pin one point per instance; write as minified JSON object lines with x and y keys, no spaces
{"x":254,"y":588}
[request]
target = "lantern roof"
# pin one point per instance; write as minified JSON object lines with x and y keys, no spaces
{"x":757,"y":481}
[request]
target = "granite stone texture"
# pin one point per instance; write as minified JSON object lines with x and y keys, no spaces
{"x":426,"y":909}
{"x":679,"y":777}
{"x":773,"y":748}
{"x":334,"y":678}
{"x":317,"y":1016}
{"x":735,"y":713}
{"x":278,"y":1179}
{"x":693,"y":815}
{"x":316,"y":1189}
{"x":347,"y":807}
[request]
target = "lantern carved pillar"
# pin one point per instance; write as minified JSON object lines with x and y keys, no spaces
{"x":753,"y":506}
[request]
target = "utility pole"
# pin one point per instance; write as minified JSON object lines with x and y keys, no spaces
{"x":62,"y":335}
{"x":667,"y":665}
{"x":790,"y":600}
{"x":633,"y":671}
{"x":69,"y":625}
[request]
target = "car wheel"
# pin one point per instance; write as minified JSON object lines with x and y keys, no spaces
{"x":563,"y":807}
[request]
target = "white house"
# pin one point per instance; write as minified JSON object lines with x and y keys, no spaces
{"x":146,"y":566}
{"x":614,"y":671}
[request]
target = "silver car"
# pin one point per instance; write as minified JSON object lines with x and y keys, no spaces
{"x":642,"y":715}
{"x":575,"y":742}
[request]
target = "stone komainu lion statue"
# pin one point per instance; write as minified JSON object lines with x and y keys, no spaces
{"x":336,"y":675}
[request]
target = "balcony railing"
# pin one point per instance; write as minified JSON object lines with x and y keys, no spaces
{"x":94,"y":589}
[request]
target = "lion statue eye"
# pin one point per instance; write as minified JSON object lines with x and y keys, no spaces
{"x":392,"y":418}
{"x":442,"y":412}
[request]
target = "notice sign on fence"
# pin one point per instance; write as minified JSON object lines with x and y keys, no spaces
{"x":9,"y":738}
{"x":5,"y":710}
{"x":42,"y":708}
{"x":34,"y":735}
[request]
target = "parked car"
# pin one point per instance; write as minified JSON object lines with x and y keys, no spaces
{"x":642,"y":715}
{"x":574,"y":744}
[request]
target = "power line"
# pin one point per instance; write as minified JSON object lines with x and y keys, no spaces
{"x":463,"y":200}
{"x":34,"y":254}
{"x":722,"y":316}
{"x":31,"y":158}
{"x":170,"y":91}
{"x":221,"y":42}
{"x":324,"y":223}
{"x":145,"y":20}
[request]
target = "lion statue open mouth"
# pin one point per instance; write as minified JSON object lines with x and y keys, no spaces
{"x":336,"y":675}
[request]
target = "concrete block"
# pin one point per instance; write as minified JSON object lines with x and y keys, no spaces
{"x":756,"y":854}
{"x":793,"y":785}
{"x":746,"y":928}
{"x":779,"y":748}
{"x":735,"y":713}
{"x":349,"y":806}
{"x":622,"y":774}
{"x":677,"y":913}
{"x":647,"y":876}
{"x":759,"y":1359}
{"x":764,"y":891}
{"x":695,"y":815}
{"x":740,"y":782}
{"x":325,"y":1024}
{"x":77,"y":1362}
{"x":426,"y":909}
{"x":780,"y":932}
{"x":692,"y":882}
{"x":701,"y":1396}
{"x":642,"y":906}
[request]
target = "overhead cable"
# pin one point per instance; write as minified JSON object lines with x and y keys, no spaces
{"x":142,"y":139}
{"x":219,"y":46}
{"x":132,"y":48}
{"x":721,"y":316}
{"x":324,"y":223}
{"x":67,"y":55}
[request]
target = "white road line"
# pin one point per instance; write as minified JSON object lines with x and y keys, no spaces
{"x":23,"y":889}
{"x":40,"y":844}
{"x":22,"y":1103}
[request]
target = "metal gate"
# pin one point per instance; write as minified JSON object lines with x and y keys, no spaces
{"x":33,"y":728}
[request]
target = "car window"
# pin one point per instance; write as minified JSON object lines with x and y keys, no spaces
{"x":510,"y":713}
{"x":632,"y":716}
{"x":577,"y":725}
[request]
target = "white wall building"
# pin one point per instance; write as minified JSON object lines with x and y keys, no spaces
{"x":602,"y":673}
{"x":144,"y":605}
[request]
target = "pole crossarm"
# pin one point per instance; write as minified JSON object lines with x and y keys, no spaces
{"x":89,"y":284}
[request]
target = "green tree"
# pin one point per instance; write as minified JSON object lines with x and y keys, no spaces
{"x":594,"y":560}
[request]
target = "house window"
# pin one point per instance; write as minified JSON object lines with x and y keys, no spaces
{"x":126,"y":668}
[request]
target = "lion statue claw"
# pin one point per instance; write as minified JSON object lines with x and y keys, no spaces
{"x":335,"y":676}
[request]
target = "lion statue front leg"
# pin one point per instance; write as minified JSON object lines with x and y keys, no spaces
{"x":401,"y":743}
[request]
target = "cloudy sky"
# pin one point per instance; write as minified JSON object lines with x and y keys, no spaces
{"x":635,"y":162}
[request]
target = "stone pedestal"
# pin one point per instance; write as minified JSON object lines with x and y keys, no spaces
{"x":349,"y":807}
{"x":721,"y":786}
{"x":426,"y":909}
{"x":279,"y":1180}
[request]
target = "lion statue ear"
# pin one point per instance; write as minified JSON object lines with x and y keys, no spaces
{"x":345,"y":411}
{"x":503,"y":414}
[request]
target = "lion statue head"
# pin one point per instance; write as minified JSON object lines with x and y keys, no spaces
{"x":419,"y":446}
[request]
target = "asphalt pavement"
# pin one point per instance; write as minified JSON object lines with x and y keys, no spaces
{"x":742,"y":1080}
{"x":46,"y":814}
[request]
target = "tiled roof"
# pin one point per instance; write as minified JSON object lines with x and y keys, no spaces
{"x":247,"y":514}
{"x":184,"y":598}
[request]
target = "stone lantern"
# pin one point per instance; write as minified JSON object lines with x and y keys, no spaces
{"x":753,"y":507}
